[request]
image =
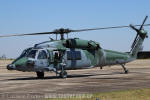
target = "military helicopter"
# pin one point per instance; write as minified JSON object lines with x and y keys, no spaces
{"x":73,"y":53}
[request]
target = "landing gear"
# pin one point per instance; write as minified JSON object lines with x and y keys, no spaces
{"x":124,"y":68}
{"x":40,"y":75}
{"x":101,"y":67}
{"x":63,"y":74}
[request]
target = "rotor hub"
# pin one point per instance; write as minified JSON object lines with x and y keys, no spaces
{"x":62,"y":31}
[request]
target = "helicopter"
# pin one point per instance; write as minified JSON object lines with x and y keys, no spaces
{"x":73,"y":53}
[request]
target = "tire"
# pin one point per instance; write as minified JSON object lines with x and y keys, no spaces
{"x":126,"y":72}
{"x":40,"y":75}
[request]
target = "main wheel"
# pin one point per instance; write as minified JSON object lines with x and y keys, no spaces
{"x":40,"y":74}
{"x":63,"y":74}
{"x":126,"y":71}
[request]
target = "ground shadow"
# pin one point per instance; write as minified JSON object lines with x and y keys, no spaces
{"x":69,"y":76}
{"x":50,"y":77}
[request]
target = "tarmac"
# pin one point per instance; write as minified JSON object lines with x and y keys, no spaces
{"x":79,"y":81}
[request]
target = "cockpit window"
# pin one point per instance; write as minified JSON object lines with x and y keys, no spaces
{"x":42,"y":55}
{"x":25,"y":52}
{"x":32,"y":54}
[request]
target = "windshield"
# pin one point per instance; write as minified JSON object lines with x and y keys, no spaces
{"x":25,"y":52}
{"x":32,"y":54}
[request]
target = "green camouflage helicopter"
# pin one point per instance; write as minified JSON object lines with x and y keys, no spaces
{"x":73,"y":53}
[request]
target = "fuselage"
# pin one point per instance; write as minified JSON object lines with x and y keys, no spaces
{"x":50,"y":55}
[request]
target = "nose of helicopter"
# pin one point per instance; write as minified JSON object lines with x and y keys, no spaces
{"x":18,"y":64}
{"x":11,"y":67}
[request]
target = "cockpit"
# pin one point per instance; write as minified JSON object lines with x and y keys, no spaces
{"x":25,"y":52}
{"x":38,"y":54}
{"x":32,"y":54}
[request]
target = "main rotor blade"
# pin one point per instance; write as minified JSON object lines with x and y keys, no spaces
{"x":63,"y":31}
{"x":104,"y":28}
{"x":41,"y":33}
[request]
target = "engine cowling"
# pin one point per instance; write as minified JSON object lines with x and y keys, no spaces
{"x":82,"y":44}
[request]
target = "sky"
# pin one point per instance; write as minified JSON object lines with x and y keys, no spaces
{"x":30,"y":16}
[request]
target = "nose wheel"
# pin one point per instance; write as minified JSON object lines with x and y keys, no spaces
{"x":40,"y":75}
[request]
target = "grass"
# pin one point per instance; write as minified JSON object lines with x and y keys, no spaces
{"x":137,"y":94}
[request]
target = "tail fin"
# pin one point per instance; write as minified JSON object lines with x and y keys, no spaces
{"x":141,"y":35}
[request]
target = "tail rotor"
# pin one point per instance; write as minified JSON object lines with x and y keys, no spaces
{"x":141,"y":34}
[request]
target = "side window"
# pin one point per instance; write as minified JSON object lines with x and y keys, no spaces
{"x":73,"y":55}
{"x":69,"y":55}
{"x":42,"y":55}
{"x":78,"y":55}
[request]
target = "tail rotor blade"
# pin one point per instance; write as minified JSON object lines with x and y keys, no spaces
{"x":134,"y":28}
{"x":134,"y":41}
{"x":143,"y":22}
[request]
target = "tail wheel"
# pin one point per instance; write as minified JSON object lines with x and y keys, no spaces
{"x":40,"y":74}
{"x":63,"y":74}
